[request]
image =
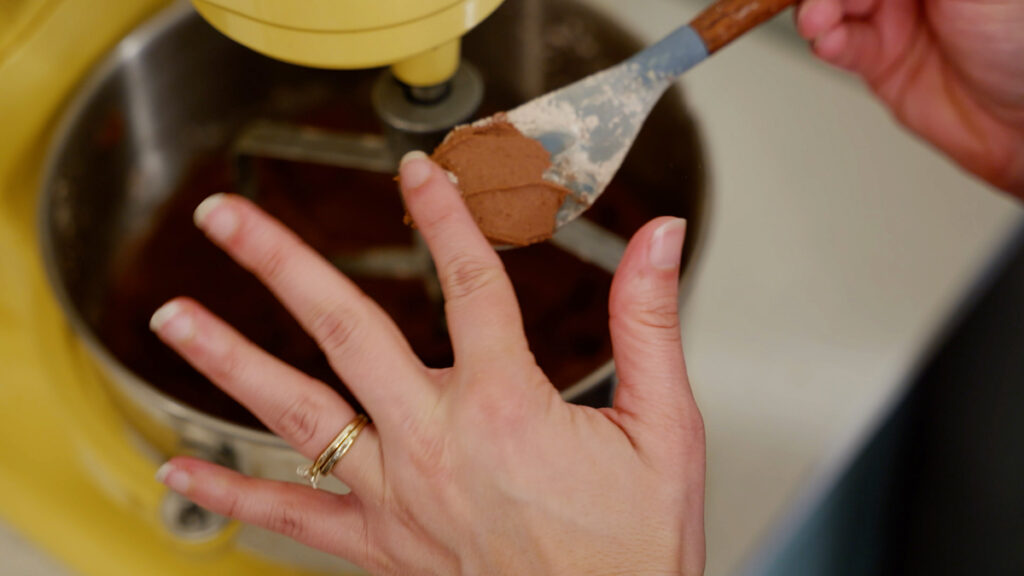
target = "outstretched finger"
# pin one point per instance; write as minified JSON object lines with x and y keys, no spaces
{"x":361,"y":342}
{"x":653,"y":401}
{"x":324,"y":520}
{"x":483,"y":313}
{"x":303,"y":411}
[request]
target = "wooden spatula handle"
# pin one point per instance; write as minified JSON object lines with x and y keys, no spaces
{"x":726,"y":20}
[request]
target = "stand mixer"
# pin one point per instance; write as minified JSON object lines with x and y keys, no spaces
{"x":426,"y":91}
{"x":82,"y":434}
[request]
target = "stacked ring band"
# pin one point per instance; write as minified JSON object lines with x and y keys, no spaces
{"x":334,"y":451}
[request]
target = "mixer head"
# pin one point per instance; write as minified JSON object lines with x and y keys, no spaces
{"x":427,"y":91}
{"x":419,"y":39}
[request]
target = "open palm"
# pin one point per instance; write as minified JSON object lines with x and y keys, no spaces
{"x":950,"y":70}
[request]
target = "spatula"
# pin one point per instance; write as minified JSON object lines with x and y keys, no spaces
{"x":588,"y":127}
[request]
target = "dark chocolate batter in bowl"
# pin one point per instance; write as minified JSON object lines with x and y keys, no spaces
{"x":344,"y":212}
{"x":501,"y":175}
{"x":337,"y":211}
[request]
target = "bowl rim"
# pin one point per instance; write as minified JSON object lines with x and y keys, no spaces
{"x":146,"y":396}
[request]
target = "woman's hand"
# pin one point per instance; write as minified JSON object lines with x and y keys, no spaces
{"x":950,"y":70}
{"x":480,"y":468}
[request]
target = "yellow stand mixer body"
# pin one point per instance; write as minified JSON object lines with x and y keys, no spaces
{"x":419,"y":38}
{"x":73,"y":479}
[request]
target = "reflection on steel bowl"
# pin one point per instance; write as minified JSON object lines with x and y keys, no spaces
{"x":146,"y":140}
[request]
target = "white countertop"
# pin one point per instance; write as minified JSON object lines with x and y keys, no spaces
{"x":839,"y":247}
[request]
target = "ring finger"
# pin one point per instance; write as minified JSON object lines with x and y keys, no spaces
{"x":361,"y":342}
{"x":303,"y":411}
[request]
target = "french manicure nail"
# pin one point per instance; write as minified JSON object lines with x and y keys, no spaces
{"x":667,"y":245}
{"x":205,"y":207}
{"x":173,"y":477}
{"x":218,"y":224}
{"x":415,"y":169}
{"x":172,"y":323}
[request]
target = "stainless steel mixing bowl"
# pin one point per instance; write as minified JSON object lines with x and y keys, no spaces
{"x":175,"y":90}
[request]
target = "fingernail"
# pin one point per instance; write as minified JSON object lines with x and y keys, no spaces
{"x":218,"y":224}
{"x":173,"y":477}
{"x":415,"y":169}
{"x":667,"y":245}
{"x":171,"y":323}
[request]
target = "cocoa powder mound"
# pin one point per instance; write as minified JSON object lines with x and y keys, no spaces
{"x":500,"y":172}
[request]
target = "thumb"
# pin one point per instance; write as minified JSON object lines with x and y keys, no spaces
{"x":653,"y":401}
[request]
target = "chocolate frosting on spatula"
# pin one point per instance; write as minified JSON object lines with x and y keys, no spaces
{"x":501,"y":175}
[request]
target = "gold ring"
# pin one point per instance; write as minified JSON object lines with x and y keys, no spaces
{"x":334,"y":451}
